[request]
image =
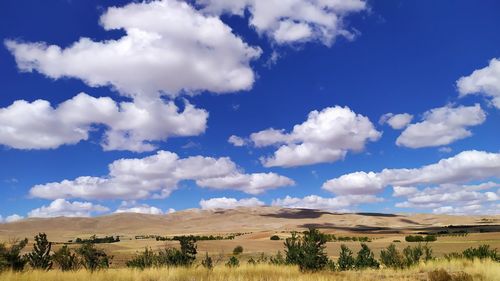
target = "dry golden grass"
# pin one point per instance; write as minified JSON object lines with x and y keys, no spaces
{"x":479,"y":270}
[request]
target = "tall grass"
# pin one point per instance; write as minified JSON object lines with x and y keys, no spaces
{"x":479,"y":270}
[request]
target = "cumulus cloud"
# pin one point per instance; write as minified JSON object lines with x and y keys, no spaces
{"x":292,"y":21}
{"x":326,"y":136}
{"x":128,"y":125}
{"x":63,"y":208}
{"x":11,"y":218}
{"x":230,"y":203}
{"x":442,"y":126}
{"x":140,"y":209}
{"x":169,"y":48}
{"x":339,"y":203}
{"x":396,"y":121}
{"x":237,"y":141}
{"x":449,"y":180}
{"x":485,"y":81}
{"x":157,"y":176}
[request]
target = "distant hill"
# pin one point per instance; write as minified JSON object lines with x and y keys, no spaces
{"x":196,"y":221}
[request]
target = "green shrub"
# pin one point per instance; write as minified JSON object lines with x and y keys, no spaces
{"x":233,"y":262}
{"x":275,"y":237}
{"x":481,"y":252}
{"x":93,"y":258}
{"x":10,"y":257}
{"x":237,"y":250}
{"x":346,"y":260}
{"x":65,"y":259}
{"x":40,"y":257}
{"x":420,"y":238}
{"x":365,"y":258}
{"x":391,"y":257}
{"x":313,"y":254}
{"x":278,"y":259}
{"x":143,"y":260}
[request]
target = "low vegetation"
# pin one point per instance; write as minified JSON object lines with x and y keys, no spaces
{"x":420,"y":238}
{"x":96,"y":240}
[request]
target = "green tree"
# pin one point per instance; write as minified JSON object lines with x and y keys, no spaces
{"x":365,"y":258}
{"x":11,"y":258}
{"x":143,"y":260}
{"x":391,"y":257}
{"x":40,"y":257}
{"x":93,"y":258}
{"x":313,"y":255}
{"x":346,"y":260}
{"x":293,"y":249}
{"x":65,"y":259}
{"x":237,"y":250}
{"x":188,"y":250}
{"x":233,"y":262}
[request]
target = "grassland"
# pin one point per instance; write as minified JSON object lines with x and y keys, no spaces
{"x":477,"y":270}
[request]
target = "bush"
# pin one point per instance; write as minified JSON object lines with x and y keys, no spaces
{"x":420,"y":238}
{"x":237,"y":250}
{"x":391,"y":257}
{"x":207,"y":262}
{"x":346,"y":260}
{"x":10,"y":258}
{"x":439,"y":275}
{"x":143,"y":260}
{"x":481,"y":252}
{"x":188,"y":250}
{"x":233,"y":262}
{"x":92,"y":258}
{"x":275,"y":237}
{"x":278,"y":259}
{"x":40,"y":257}
{"x":308,"y":251}
{"x":365,"y":258}
{"x":65,"y":259}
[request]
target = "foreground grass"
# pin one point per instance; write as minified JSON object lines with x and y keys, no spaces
{"x":478,"y":270}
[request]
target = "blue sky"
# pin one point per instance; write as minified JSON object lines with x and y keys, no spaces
{"x":167,"y":83}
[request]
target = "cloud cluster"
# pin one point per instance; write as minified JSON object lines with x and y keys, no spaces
{"x":127,"y":125}
{"x":292,"y":21}
{"x":396,"y":121}
{"x":157,"y":176}
{"x":125,"y":207}
{"x":63,"y":208}
{"x":339,"y":203}
{"x":442,"y":126}
{"x":230,"y":203}
{"x":11,"y":218}
{"x":442,"y":181}
{"x":326,"y":136}
{"x":169,"y":48}
{"x":485,"y":81}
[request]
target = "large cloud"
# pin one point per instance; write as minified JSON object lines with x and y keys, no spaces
{"x":326,"y":136}
{"x":442,"y":182}
{"x":157,"y":176}
{"x":442,"y":126}
{"x":230,"y":203}
{"x":292,"y":21}
{"x":339,"y":203}
{"x":484,"y":81}
{"x":128,"y":125}
{"x":63,"y":208}
{"x":169,"y":48}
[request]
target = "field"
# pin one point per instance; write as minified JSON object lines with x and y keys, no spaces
{"x":485,"y":270}
{"x":253,"y":228}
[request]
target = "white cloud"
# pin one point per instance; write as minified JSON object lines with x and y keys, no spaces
{"x":11,"y":218}
{"x":230,"y":203}
{"x":396,"y":121}
{"x":157,"y":176}
{"x":484,"y":81}
{"x":141,"y":209}
{"x":292,"y":21}
{"x":339,"y":203}
{"x":445,"y":149}
{"x":249,"y":183}
{"x":357,"y":183}
{"x":326,"y":136}
{"x":169,"y":48}
{"x":63,"y":208}
{"x":461,"y":180}
{"x":237,"y":141}
{"x":128,"y":125}
{"x":442,"y":126}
